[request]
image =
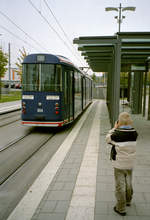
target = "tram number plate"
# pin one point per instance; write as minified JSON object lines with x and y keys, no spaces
{"x":39,"y":110}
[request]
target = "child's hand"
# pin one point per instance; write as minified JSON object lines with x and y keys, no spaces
{"x":116,"y":124}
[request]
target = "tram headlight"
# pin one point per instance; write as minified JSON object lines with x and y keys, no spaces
{"x":52,"y":97}
{"x":28,"y":97}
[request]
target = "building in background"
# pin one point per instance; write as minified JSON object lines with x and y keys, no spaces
{"x":13,"y":80}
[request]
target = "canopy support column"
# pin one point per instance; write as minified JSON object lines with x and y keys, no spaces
{"x":137,"y":93}
{"x":144,"y":95}
{"x":148,"y":117}
{"x":116,"y":82}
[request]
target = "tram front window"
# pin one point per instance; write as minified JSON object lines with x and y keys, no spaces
{"x":30,"y":77}
{"x":42,"y":77}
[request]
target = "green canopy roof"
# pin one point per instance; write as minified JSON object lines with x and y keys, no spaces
{"x":98,"y":51}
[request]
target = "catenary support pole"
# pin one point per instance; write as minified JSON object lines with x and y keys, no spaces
{"x":9,"y":65}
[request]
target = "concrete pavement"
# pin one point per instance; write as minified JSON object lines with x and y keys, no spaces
{"x":6,"y":107}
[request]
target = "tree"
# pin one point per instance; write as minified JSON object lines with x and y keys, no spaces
{"x":94,"y":77}
{"x":20,"y":59}
{"x":3,"y":64}
{"x":124,"y":79}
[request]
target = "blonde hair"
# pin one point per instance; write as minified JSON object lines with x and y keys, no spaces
{"x":125,"y":119}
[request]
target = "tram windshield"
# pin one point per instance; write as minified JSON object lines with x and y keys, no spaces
{"x":42,"y":77}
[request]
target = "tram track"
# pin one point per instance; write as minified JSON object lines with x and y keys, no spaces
{"x":16,"y":154}
{"x":38,"y":148}
{"x":9,"y":118}
{"x":14,"y":141}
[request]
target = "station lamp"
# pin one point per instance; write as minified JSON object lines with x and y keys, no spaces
{"x":120,"y":9}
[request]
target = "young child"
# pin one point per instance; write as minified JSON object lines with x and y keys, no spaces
{"x":123,"y":136}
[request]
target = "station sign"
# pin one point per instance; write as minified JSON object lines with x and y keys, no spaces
{"x":138,"y":68}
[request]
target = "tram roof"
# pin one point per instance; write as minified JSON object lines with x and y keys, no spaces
{"x":98,"y":51}
{"x":50,"y":59}
{"x":47,"y":58}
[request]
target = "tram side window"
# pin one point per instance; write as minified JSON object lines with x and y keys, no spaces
{"x":78,"y":97}
{"x":59,"y":77}
{"x":77,"y":83}
{"x":65,"y":87}
{"x":80,"y":84}
{"x":87,"y":90}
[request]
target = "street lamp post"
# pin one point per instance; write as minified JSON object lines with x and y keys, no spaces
{"x":120,"y":9}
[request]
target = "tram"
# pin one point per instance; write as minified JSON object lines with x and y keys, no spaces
{"x":54,"y":91}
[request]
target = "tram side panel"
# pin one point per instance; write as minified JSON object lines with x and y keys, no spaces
{"x":84,"y":92}
{"x":68,"y":96}
{"x":88,"y":94}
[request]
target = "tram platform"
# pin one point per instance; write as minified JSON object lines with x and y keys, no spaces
{"x":9,"y":106}
{"x":78,"y":181}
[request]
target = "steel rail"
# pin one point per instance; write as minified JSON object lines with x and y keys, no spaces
{"x":3,"y":179}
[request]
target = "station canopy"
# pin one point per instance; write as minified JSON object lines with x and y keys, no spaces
{"x":98,"y":51}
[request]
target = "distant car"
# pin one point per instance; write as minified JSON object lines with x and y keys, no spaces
{"x":6,"y":85}
{"x":18,"y":86}
{"x":12,"y":85}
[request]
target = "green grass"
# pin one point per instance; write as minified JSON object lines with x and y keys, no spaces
{"x":11,"y":96}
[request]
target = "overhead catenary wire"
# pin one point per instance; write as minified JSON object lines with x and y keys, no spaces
{"x":16,"y":36}
{"x":52,"y":28}
{"x":16,"y":25}
{"x":60,"y":26}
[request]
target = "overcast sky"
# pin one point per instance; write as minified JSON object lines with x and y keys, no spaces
{"x":38,"y":31}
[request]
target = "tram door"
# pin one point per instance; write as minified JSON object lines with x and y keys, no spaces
{"x":68,"y":94}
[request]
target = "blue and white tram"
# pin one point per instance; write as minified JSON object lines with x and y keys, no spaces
{"x":54,"y":91}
